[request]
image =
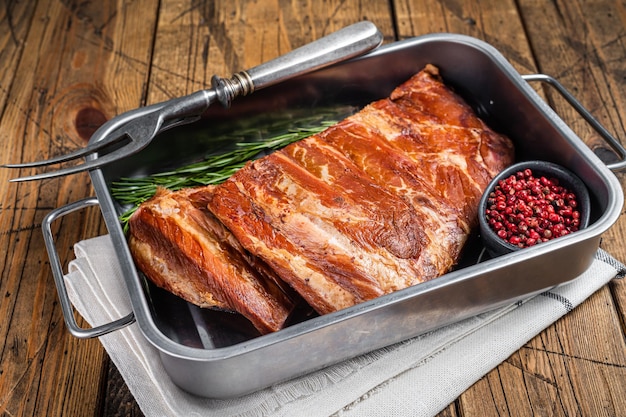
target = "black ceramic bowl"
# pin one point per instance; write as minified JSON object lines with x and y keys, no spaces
{"x":494,"y":244}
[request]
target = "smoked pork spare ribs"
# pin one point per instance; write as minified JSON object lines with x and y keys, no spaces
{"x":382,"y":200}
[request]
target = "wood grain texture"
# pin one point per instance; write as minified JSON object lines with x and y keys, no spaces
{"x":205,"y":38}
{"x":66,"y":66}
{"x":74,"y":65}
{"x":496,"y":22}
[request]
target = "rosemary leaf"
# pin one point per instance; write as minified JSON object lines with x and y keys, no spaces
{"x":214,"y":169}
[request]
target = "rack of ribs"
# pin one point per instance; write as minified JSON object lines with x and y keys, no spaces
{"x":381,"y":201}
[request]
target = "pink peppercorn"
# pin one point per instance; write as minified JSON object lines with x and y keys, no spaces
{"x":525,"y":210}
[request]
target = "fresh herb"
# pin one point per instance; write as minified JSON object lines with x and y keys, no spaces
{"x":214,"y":169}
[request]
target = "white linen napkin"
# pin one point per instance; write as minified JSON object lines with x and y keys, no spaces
{"x":418,"y":377}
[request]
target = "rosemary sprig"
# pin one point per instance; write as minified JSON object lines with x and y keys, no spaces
{"x":214,"y":169}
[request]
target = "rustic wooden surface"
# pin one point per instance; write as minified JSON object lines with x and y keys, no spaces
{"x":66,"y":66}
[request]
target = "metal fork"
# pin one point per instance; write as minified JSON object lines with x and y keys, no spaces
{"x":134,"y":130}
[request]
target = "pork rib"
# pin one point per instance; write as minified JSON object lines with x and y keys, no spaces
{"x":383,"y":200}
{"x":184,"y":249}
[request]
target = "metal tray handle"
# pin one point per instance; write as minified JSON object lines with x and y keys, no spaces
{"x":610,"y":139}
{"x":57,"y":272}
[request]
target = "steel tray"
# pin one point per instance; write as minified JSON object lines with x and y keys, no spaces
{"x":219,"y":355}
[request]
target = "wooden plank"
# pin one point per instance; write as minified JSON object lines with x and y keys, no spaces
{"x":80,"y":64}
{"x":15,"y":20}
{"x":584,"y":50}
{"x":496,"y":22}
{"x":559,"y":373}
{"x":194,"y":43}
{"x":585,"y":358}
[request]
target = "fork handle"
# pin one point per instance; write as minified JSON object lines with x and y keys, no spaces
{"x":343,"y":44}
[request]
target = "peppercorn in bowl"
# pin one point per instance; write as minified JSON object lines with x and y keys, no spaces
{"x":530,"y":203}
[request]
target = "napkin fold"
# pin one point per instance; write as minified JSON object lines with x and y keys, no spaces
{"x":418,"y":377}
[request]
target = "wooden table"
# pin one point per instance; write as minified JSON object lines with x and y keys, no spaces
{"x":67,"y":66}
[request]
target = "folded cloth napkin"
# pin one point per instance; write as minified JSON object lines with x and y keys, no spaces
{"x":418,"y":377}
